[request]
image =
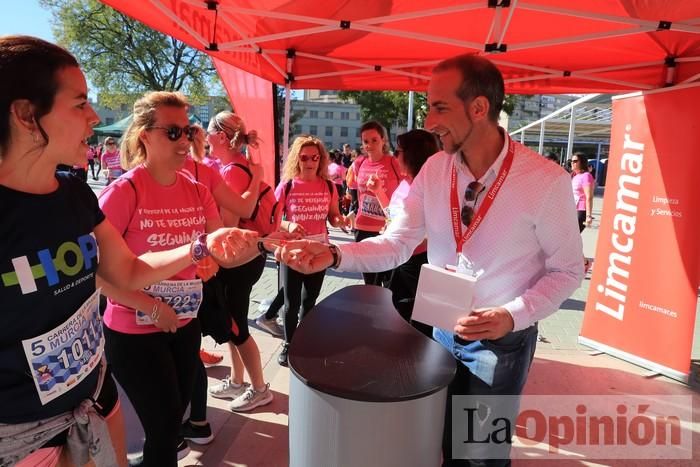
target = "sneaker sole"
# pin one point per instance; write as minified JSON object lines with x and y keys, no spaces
{"x":253,"y":406}
{"x":183,"y":453}
{"x":202,"y":441}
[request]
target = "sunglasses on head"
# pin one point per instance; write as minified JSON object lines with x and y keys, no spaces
{"x":305,"y":158}
{"x":474,"y":189}
{"x":174,"y":132}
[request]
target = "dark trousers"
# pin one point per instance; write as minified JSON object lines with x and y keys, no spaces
{"x":198,"y":406}
{"x":506,"y":375}
{"x":278,"y":301}
{"x":373,"y":278}
{"x":403,"y":286}
{"x":300,"y":294}
{"x":91,"y":163}
{"x":157,"y":373}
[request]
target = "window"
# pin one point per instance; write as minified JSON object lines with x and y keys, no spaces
{"x":313,"y":114}
{"x":329,"y":131}
{"x":343,"y":131}
{"x":345,"y":115}
{"x":313,"y":130}
{"x":329,"y":115}
{"x":297,"y":129}
{"x":357,"y":115}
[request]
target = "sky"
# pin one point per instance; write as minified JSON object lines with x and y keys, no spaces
{"x":25,"y":17}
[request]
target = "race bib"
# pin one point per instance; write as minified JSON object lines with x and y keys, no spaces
{"x":184,"y":297}
{"x":62,"y":357}
{"x":371,"y":208}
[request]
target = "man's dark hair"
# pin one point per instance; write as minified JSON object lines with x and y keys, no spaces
{"x":480,"y":77}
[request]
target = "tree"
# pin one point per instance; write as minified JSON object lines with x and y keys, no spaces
{"x":123,"y":58}
{"x":387,"y":107}
{"x":294,"y":115}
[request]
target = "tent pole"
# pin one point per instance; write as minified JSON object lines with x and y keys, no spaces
{"x":572,"y":129}
{"x":540,"y":148}
{"x":287,"y":106}
{"x":409,"y":119}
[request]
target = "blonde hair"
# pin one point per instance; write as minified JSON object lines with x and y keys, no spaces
{"x":234,"y":128}
{"x":133,"y":151}
{"x":291,"y":166}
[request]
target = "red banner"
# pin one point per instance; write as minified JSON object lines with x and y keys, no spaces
{"x":643,"y":293}
{"x":252,"y":100}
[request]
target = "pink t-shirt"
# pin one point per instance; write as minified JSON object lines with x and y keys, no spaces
{"x":111,"y":160}
{"x":202,"y":173}
{"x":235,"y":177}
{"x":370,"y":215}
{"x":308,"y":204}
{"x":336,"y":173}
{"x":578,"y":182}
{"x":153,"y":217}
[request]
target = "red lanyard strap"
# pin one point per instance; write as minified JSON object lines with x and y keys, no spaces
{"x":460,"y":239}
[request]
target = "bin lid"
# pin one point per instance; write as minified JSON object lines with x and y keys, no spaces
{"x":355,"y":345}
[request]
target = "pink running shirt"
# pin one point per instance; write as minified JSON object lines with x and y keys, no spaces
{"x":308,"y":204}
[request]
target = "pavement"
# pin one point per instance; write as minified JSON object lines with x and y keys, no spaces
{"x":561,"y":367}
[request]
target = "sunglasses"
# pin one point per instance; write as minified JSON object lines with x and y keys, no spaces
{"x":175,"y":132}
{"x":305,"y":158}
{"x":474,"y":189}
{"x":574,"y":160}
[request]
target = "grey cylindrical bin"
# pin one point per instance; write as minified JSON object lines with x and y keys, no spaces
{"x":366,"y":388}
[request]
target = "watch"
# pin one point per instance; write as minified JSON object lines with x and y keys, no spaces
{"x":199,"y":249}
{"x":336,"y":255}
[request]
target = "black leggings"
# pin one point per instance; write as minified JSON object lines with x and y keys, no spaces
{"x":372,"y":278}
{"x":157,"y":373}
{"x":404,"y":283}
{"x":300,"y":291}
{"x":581,"y":220}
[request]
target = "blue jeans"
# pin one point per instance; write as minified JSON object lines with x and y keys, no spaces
{"x":498,"y":367}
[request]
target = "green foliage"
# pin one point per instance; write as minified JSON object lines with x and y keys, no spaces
{"x":509,"y":103}
{"x":294,"y":115}
{"x":387,"y":107}
{"x":123,"y":58}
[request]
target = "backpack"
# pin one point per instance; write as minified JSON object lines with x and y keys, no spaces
{"x":265,"y":218}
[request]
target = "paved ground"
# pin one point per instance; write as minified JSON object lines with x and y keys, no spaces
{"x":561,"y":367}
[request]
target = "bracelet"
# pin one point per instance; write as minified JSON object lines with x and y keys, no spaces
{"x":261,"y":248}
{"x":336,"y":255}
{"x":155,"y":313}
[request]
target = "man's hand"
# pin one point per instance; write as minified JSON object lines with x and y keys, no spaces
{"x":225,"y":243}
{"x":305,"y":256}
{"x":485,"y":323}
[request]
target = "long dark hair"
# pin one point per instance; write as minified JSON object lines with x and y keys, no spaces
{"x":417,"y":146}
{"x":28,"y":68}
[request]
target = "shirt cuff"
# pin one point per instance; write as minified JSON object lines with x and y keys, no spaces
{"x":519,"y":312}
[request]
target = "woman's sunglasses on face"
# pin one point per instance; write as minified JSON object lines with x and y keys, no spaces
{"x":175,"y":132}
{"x":305,"y":158}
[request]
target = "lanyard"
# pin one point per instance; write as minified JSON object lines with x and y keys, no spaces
{"x":460,"y":239}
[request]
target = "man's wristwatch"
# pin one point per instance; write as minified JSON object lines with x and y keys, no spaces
{"x":336,"y":255}
{"x":199,"y":249}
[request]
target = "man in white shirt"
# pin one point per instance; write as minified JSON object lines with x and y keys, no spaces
{"x":505,"y":209}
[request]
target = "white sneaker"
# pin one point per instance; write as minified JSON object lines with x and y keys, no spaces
{"x":227,"y":390}
{"x":280,"y":322}
{"x":269,"y":325}
{"x":251,"y":399}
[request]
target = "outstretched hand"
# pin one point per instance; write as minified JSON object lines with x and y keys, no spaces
{"x":226,"y":243}
{"x":305,"y":256}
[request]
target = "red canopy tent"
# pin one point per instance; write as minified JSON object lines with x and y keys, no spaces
{"x":541,"y":46}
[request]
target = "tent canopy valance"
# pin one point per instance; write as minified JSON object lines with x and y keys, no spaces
{"x":541,"y":46}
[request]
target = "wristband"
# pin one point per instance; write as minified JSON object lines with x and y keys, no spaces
{"x":198,"y":249}
{"x":336,"y":255}
{"x":261,"y":248}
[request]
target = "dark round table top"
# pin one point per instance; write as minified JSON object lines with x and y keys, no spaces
{"x":355,"y":345}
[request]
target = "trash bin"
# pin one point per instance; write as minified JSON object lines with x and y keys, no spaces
{"x":366,"y":388}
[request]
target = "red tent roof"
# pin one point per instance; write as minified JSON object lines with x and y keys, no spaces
{"x":541,"y":46}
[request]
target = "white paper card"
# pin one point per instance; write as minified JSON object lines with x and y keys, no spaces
{"x":442,"y":297}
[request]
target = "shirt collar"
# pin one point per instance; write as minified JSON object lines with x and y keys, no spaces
{"x":492,"y":172}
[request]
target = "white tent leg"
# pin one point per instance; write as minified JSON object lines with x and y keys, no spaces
{"x":287,"y":108}
{"x":409,"y":119}
{"x":572,"y":129}
{"x":540,"y":148}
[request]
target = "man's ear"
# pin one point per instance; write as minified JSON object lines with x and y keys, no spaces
{"x":23,"y":112}
{"x":479,"y":108}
